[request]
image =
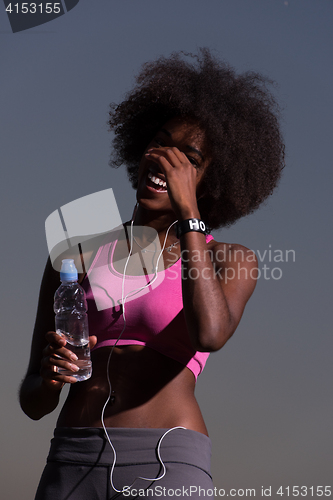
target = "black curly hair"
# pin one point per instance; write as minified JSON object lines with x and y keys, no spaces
{"x":237,"y":113}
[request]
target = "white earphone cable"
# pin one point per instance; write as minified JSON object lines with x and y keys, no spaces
{"x":123,"y":300}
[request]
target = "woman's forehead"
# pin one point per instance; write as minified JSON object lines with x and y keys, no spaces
{"x":186,"y":128}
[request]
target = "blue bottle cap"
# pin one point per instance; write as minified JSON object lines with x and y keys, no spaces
{"x":68,"y":271}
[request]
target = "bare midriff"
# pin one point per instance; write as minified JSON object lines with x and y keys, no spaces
{"x":150,"y":390}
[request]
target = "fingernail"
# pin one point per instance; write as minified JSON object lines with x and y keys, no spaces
{"x":75,"y":368}
{"x":74,"y":357}
{"x":147,"y":154}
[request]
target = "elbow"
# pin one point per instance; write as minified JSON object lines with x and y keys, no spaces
{"x":27,"y":408}
{"x":34,"y":402}
{"x":208,"y":346}
{"x":211,"y":339}
{"x":31,"y":415}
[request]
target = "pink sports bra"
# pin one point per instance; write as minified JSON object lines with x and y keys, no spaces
{"x":154,"y":315}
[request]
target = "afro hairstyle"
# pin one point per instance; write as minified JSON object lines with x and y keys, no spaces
{"x":238,"y":114}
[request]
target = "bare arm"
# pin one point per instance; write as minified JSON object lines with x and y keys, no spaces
{"x":215,"y":292}
{"x":216,"y":287}
{"x":41,"y":387}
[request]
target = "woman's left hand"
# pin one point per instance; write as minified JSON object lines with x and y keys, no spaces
{"x":182,"y":179}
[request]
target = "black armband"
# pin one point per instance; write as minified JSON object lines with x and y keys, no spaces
{"x":185,"y":226}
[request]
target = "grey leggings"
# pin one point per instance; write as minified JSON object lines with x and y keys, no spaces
{"x":80,"y":460}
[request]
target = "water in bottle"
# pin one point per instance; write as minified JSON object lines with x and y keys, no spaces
{"x":70,"y":307}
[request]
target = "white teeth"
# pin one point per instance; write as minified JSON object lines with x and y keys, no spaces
{"x":156,"y":180}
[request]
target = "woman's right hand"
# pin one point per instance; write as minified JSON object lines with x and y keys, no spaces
{"x":55,"y":355}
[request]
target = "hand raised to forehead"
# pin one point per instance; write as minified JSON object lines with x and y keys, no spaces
{"x":181,"y":176}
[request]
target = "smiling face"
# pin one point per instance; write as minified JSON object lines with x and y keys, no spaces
{"x":184,"y":134}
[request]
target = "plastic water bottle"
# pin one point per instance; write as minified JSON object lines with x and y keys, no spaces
{"x":70,"y":307}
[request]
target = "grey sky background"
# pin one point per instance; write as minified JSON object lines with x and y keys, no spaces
{"x":267,"y":396}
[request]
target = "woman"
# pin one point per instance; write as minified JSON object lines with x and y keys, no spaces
{"x":203,"y":148}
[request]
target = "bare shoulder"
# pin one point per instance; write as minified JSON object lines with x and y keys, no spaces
{"x":82,"y":254}
{"x":83,"y":251}
{"x":227,"y":253}
{"x":235,"y":265}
